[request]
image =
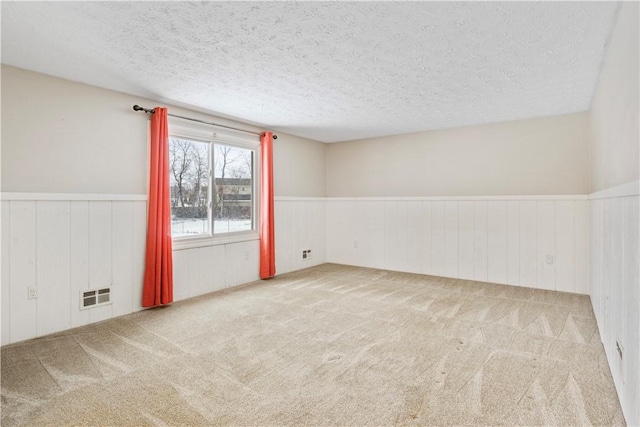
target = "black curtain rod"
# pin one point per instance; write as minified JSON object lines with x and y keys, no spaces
{"x":152,"y":111}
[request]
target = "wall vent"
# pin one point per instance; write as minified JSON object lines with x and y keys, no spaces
{"x":95,"y":297}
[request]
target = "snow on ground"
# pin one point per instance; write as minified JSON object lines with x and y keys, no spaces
{"x":193,"y":226}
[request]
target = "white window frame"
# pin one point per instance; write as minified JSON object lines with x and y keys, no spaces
{"x":201,"y":132}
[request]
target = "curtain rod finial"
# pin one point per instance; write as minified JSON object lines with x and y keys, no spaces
{"x":146,"y":110}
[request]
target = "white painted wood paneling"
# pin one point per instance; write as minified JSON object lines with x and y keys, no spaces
{"x":216,"y":270}
{"x":615,"y":277}
{"x":375,"y":243}
{"x":513,"y":242}
{"x":631,"y":302}
{"x":181,"y":270}
{"x":100,"y":249}
{"x":565,"y":246}
{"x":207,"y":269}
{"x":106,"y":239}
{"x":426,"y":237}
{"x":546,"y":244}
{"x":437,"y":238}
{"x":480,"y":241}
{"x":340,"y":233}
{"x":451,"y":238}
{"x":100,"y":253}
{"x":122,"y":257}
{"x":198,"y":271}
{"x":79,"y":280}
{"x":446,"y":198}
{"x":302,"y":224}
{"x":497,"y":242}
{"x":466,"y":235}
{"x":395,"y":235}
{"x":318,"y":222}
{"x":349,"y":228}
{"x":22,"y":269}
{"x":528,"y":242}
{"x":596,"y":289}
{"x":607,"y":271}
{"x":616,"y":292}
{"x":502,"y":240}
{"x":363,"y":230}
{"x":414,"y":237}
{"x":100,"y":313}
{"x":6,"y":296}
{"x":242,"y":258}
{"x":285,"y":241}
{"x":139,"y":251}
{"x":79,"y":197}
{"x":369,"y":234}
{"x":63,"y":245}
{"x":451,"y":260}
{"x":300,"y":218}
{"x":53,"y":274}
{"x":582,"y":246}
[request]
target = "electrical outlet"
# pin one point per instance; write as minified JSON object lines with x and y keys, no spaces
{"x":32,"y":292}
{"x":304,"y":254}
{"x":550,"y":259}
{"x":246,"y":256}
{"x":308,"y":253}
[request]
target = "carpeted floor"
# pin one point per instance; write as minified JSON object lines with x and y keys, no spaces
{"x":330,"y":345}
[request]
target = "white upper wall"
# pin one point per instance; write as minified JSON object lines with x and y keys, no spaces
{"x":529,"y":157}
{"x":60,"y":136}
{"x":615,"y":134}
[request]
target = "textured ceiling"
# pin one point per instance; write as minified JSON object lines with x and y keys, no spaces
{"x":329,"y":71}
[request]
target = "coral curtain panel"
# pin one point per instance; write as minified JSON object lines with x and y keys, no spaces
{"x":158,"y":272}
{"x":267,"y":240}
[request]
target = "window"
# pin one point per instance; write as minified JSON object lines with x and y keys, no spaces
{"x":189,"y":166}
{"x":232,"y":180}
{"x":213,"y":184}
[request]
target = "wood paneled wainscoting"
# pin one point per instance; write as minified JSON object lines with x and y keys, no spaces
{"x":534,"y":241}
{"x":62,"y":244}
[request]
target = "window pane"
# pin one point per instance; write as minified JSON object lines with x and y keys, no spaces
{"x":189,"y":170}
{"x":233,"y":183}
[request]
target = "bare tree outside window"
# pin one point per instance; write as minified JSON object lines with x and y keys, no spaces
{"x":180,"y":153}
{"x":200,"y":176}
{"x":189,"y":169}
{"x":233,"y":204}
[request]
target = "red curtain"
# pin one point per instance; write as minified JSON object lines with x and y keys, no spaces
{"x":158,"y":272}
{"x":267,"y":240}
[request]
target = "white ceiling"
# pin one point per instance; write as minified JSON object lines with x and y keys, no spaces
{"x":329,"y":71}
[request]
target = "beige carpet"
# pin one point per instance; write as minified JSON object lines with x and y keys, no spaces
{"x":331,"y":345}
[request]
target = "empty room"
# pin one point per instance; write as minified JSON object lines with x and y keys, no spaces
{"x":320,"y":213}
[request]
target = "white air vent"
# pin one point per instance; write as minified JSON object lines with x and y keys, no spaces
{"x":95,"y":297}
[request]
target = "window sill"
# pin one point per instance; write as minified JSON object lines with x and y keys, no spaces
{"x":180,"y":244}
